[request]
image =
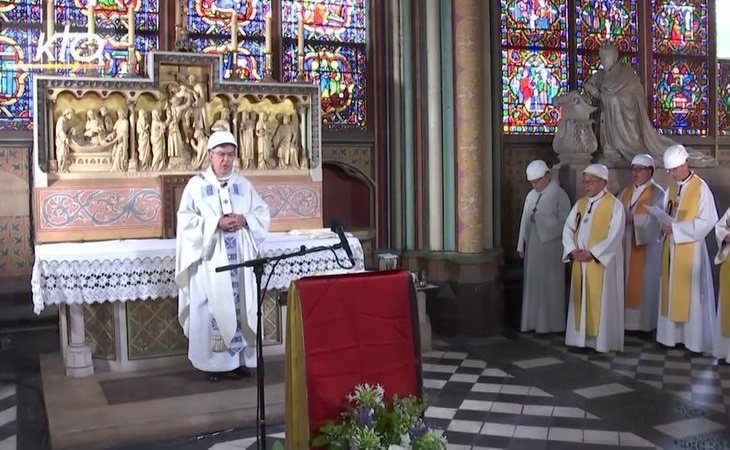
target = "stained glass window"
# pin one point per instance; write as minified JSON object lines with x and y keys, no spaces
{"x":22,"y":22}
{"x":209,"y":25}
{"x":335,"y":38}
{"x":534,"y":64}
{"x":19,"y":30}
{"x":723,"y":97}
{"x":111,"y":25}
{"x":606,"y":20}
{"x":531,"y":81}
{"x":679,"y":101}
{"x":679,"y":27}
{"x":528,"y":23}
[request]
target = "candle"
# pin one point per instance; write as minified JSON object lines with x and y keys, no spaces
{"x":300,"y":36}
{"x":268,"y":34}
{"x":50,"y":19}
{"x":234,"y":32}
{"x":91,"y":28}
{"x":130,"y":24}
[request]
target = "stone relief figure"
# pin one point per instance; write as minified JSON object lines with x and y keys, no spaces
{"x":574,"y":142}
{"x":246,"y":139}
{"x":106,"y":121}
{"x":199,"y":144}
{"x":304,"y":156}
{"x":624,"y":127}
{"x":157,"y":140}
{"x":263,"y":140}
{"x":63,"y":133}
{"x":94,"y":129}
{"x":200,"y":115}
{"x":120,"y":137}
{"x":144,"y":150}
{"x":223,"y":123}
{"x":285,"y":143}
{"x":176,"y":147}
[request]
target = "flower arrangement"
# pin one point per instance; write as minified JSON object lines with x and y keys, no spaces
{"x":371,"y":424}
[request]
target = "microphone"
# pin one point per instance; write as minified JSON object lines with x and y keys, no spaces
{"x":336,"y":226}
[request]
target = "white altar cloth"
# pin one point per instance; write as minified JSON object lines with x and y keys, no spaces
{"x":142,"y":269}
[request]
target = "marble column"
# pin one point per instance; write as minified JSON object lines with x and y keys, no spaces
{"x":468,"y":56}
{"x":434,"y":135}
{"x":78,"y":353}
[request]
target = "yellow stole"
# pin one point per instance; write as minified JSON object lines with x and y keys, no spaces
{"x":725,"y":298}
{"x":594,"y":270}
{"x":638,"y":252}
{"x":676,"y":306}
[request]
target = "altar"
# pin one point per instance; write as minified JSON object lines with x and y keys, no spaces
{"x":118,"y":298}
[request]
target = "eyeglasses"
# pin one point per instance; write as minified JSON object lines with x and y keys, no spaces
{"x":224,"y":155}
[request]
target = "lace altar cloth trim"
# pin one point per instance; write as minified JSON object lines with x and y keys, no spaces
{"x":144,"y":269}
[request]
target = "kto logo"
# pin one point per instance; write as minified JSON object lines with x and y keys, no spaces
{"x":76,"y":43}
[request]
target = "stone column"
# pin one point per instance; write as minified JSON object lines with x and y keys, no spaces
{"x":131,"y":113}
{"x":468,"y":55}
{"x":433,"y":87}
{"x":78,"y":354}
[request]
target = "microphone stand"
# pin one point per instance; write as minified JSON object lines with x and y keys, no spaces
{"x":258,"y":265}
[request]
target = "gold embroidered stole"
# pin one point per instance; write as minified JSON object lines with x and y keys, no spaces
{"x":635,"y":284}
{"x":593,"y":286}
{"x":725,"y":298}
{"x":676,"y":305}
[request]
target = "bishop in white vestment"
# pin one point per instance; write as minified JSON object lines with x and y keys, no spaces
{"x":687,"y":297}
{"x":722,"y":324}
{"x":593,"y":243}
{"x":539,"y":244}
{"x":221,"y":221}
{"x":642,"y":246}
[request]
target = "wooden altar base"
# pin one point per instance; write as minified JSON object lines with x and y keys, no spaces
{"x":112,"y":408}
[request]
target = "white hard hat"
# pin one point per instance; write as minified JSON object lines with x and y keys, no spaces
{"x":675,"y":156}
{"x":598,"y":170}
{"x":536,"y":169}
{"x":221,"y":138}
{"x":643,"y":160}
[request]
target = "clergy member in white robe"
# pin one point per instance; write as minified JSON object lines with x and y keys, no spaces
{"x":687,"y":297}
{"x":539,"y":244}
{"x":721,"y":340}
{"x":221,"y":221}
{"x":593,"y":243}
{"x":642,"y":246}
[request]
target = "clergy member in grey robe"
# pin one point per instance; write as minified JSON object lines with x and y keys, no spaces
{"x":539,"y":244}
{"x":221,"y":220}
{"x":642,"y":246}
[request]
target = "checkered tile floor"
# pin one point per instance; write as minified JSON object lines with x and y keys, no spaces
{"x":699,"y":379}
{"x":533,"y":393}
{"x":8,"y":415}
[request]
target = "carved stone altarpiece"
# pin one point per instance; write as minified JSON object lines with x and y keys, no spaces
{"x":108,"y":149}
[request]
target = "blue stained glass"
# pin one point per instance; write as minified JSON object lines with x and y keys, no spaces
{"x":16,"y":81}
{"x":21,"y":11}
{"x":340,"y":73}
{"x":209,"y":28}
{"x":328,"y":20}
{"x":250,"y":59}
{"x":335,"y":34}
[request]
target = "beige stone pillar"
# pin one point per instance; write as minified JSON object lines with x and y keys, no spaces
{"x":468,"y":56}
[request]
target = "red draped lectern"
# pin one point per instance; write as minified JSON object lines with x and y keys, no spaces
{"x":343,"y":330}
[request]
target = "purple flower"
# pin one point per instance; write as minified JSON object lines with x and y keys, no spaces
{"x":417,"y":431}
{"x":364,"y":416}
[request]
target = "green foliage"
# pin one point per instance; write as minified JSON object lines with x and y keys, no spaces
{"x":371,"y":423}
